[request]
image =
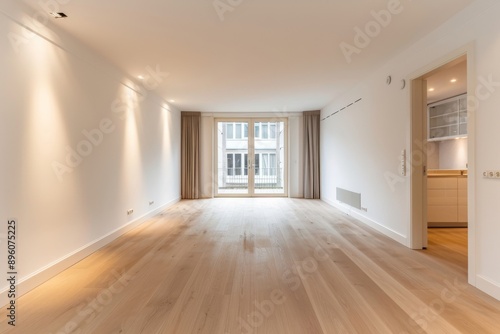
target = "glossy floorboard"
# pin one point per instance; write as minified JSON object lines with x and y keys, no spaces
{"x":261,"y":266}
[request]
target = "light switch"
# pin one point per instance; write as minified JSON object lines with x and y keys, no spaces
{"x":403,"y":163}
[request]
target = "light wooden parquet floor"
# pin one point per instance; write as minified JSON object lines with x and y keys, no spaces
{"x":258,"y":265}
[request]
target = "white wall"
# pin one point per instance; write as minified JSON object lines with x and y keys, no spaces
{"x":433,"y":155}
{"x":447,"y":154}
{"x":453,"y":154}
{"x":361,"y":145}
{"x":52,"y":90}
{"x":295,"y":142}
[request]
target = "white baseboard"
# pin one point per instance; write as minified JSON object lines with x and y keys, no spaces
{"x":368,"y":221}
{"x":37,"y":278}
{"x":488,"y":286}
{"x":484,"y":284}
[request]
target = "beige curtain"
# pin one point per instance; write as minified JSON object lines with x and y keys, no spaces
{"x":311,"y":154}
{"x":190,"y":155}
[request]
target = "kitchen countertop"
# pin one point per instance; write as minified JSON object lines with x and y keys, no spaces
{"x":447,"y":173}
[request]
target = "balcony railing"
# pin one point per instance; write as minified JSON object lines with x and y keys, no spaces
{"x":265,"y":178}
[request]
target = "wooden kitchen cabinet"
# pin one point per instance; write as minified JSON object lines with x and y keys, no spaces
{"x":447,"y":200}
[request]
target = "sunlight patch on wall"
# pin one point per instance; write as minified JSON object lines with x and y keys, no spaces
{"x":166,"y":117}
{"x":132,"y":159}
{"x":45,"y":131}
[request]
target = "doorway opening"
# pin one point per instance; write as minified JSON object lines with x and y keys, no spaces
{"x":440,"y":136}
{"x":251,"y":157}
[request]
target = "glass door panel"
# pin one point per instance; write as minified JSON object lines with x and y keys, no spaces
{"x":251,"y":157}
{"x":232,"y":158}
{"x":269,"y":152}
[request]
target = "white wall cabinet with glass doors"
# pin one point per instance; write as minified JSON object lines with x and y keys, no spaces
{"x":251,"y":157}
{"x":448,"y":118}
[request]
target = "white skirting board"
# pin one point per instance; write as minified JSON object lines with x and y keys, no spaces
{"x":482,"y":283}
{"x":37,"y":278}
{"x":488,"y":286}
{"x":373,"y":224}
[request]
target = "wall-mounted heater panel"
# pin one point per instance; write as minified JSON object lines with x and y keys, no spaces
{"x":348,"y":197}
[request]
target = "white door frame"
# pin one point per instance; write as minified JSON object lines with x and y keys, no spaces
{"x":251,"y":151}
{"x":418,"y":194}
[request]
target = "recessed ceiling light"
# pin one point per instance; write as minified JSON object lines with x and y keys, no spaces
{"x":453,"y":80}
{"x":431,"y":89}
{"x":59,"y":15}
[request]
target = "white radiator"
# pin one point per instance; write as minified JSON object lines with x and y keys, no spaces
{"x":348,"y":197}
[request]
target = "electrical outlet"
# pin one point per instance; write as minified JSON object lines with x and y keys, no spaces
{"x":129,"y":212}
{"x":491,"y":174}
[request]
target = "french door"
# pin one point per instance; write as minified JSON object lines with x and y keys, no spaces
{"x":251,"y":157}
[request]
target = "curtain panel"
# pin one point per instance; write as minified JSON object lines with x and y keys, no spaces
{"x":190,"y":155}
{"x":311,"y":154}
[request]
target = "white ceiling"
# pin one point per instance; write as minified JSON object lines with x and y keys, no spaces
{"x":266,"y":55}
